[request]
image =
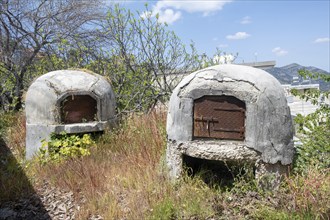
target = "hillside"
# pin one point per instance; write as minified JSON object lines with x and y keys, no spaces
{"x":285,"y":73}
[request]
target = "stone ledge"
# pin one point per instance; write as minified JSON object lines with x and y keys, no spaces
{"x":82,"y":127}
{"x":218,"y":150}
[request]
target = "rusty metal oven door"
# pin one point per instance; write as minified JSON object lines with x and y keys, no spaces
{"x":220,"y":117}
{"x":78,"y":109}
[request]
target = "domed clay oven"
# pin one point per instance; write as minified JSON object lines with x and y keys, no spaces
{"x":230,"y":113}
{"x":67,"y":100}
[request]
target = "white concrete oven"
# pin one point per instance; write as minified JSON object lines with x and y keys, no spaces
{"x":230,"y":113}
{"x":67,"y":100}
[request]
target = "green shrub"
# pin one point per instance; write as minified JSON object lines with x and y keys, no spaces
{"x":63,"y":146}
{"x":315,"y":148}
{"x":313,"y":130}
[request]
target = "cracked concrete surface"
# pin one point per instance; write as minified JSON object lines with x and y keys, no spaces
{"x":268,"y":124}
{"x":43,"y":103}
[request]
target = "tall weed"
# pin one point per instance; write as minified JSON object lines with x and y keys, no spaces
{"x":311,"y":193}
{"x":124,"y":178}
{"x":14,"y":183}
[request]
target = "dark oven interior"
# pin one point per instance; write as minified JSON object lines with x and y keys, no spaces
{"x":78,"y":109}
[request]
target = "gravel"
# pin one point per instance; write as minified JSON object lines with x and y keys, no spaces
{"x":47,"y":203}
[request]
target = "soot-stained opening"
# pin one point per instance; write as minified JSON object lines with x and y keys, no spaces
{"x":78,"y":109}
{"x":215,"y":171}
{"x":220,"y":117}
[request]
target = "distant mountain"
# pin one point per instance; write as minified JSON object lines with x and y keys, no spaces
{"x":286,"y":73}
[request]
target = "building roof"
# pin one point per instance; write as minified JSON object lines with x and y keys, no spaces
{"x":260,"y":65}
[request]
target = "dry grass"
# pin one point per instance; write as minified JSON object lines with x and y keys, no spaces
{"x":125,"y":178}
{"x":118,"y":170}
{"x":13,"y":180}
{"x":14,"y":135}
{"x":310,"y":193}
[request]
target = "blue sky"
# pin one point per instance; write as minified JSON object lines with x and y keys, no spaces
{"x":284,"y":31}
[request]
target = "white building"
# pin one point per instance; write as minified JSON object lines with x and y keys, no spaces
{"x":297,"y":105}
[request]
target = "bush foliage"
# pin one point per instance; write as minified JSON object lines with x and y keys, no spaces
{"x":63,"y":146}
{"x":314,"y":129}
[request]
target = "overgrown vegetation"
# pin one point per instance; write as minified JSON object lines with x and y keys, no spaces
{"x":63,"y":146}
{"x":125,"y":177}
{"x":314,"y":129}
{"x":13,"y":181}
{"x":141,"y":57}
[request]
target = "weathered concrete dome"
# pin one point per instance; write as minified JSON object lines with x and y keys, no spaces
{"x":268,"y":130}
{"x":67,"y":100}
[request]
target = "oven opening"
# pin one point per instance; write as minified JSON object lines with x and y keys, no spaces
{"x":215,"y":172}
{"x":78,"y":109}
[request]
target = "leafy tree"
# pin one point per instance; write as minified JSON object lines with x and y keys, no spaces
{"x":142,"y":57}
{"x":314,"y":129}
{"x":30,"y":30}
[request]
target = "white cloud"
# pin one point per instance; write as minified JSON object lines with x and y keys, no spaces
{"x":238,"y":36}
{"x":169,"y":16}
{"x":246,"y":20}
{"x":205,"y":7}
{"x":279,"y":51}
{"x":171,"y":10}
{"x":322,"y":40}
